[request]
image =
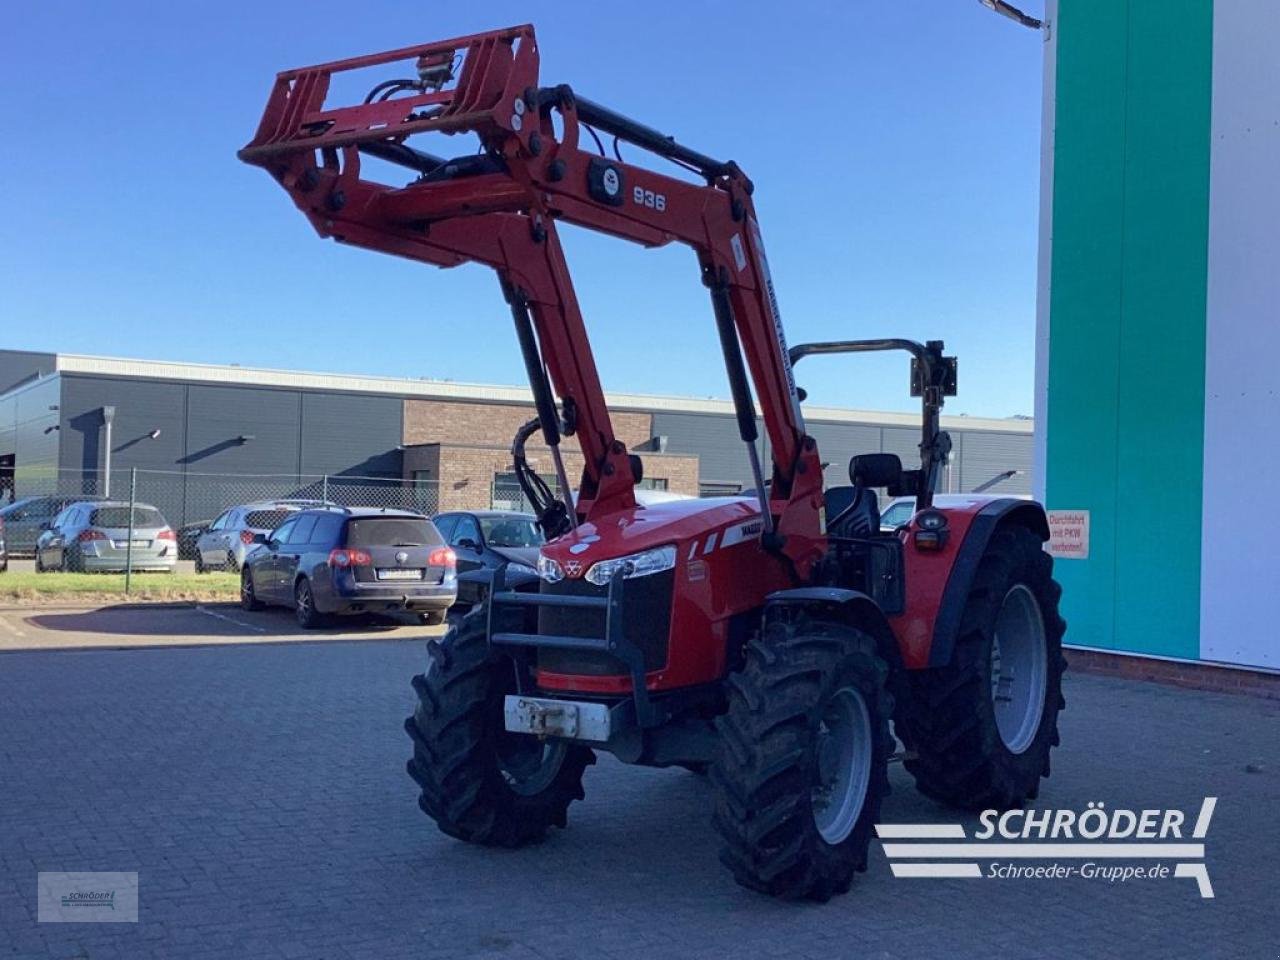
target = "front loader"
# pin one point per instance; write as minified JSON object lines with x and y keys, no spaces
{"x":773,"y":639}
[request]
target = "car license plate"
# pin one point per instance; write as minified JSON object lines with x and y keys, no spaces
{"x":124,"y":544}
{"x":398,"y":574}
{"x":557,"y":718}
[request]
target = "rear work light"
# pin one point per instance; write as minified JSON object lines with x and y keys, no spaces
{"x":442,"y":557}
{"x":349,"y":558}
{"x":166,"y":535}
{"x":87,"y":535}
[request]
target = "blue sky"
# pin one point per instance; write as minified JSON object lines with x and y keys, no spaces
{"x":894,"y":146}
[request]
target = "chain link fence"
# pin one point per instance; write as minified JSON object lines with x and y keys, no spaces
{"x":189,"y":502}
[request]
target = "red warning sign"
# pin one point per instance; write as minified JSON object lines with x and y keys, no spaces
{"x":1069,"y":534}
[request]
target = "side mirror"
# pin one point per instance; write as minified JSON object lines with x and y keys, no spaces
{"x":46,"y":524}
{"x":469,"y":544}
{"x":260,"y":538}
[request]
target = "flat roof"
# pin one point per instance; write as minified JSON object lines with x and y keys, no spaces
{"x":427,"y":389}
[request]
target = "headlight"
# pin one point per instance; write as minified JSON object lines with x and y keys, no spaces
{"x":522,"y":568}
{"x":636,"y":565}
{"x":549,"y":570}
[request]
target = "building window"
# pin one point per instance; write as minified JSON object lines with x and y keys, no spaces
{"x":712,"y":489}
{"x":653,"y":483}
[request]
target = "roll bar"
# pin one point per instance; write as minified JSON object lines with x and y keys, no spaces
{"x":933,"y":378}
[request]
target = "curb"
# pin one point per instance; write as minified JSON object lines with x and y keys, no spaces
{"x":1188,"y":675}
{"x":108,"y":605}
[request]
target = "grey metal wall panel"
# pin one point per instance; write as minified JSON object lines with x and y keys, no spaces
{"x":904,"y":441}
{"x":218,"y":416}
{"x":351,"y":434}
{"x":722,"y":457}
{"x":838,"y":442}
{"x":19,"y":365}
{"x":141,"y":407}
{"x":988,"y":454}
{"x":25,"y":415}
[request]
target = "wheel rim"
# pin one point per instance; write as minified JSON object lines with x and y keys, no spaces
{"x":1019,"y":660}
{"x":529,"y":765}
{"x":303,"y":599}
{"x":845,"y":749}
{"x":246,"y":588}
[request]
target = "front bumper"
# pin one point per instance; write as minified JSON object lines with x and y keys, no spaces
{"x":568,"y":719}
{"x":636,"y":710}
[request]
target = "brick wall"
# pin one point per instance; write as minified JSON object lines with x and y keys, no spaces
{"x":463,"y":445}
{"x":452,"y":421}
{"x":465,"y":473}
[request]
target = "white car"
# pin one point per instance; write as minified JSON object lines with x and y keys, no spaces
{"x":226,"y":542}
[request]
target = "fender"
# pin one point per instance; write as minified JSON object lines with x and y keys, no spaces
{"x":946,"y":628}
{"x":860,"y":609}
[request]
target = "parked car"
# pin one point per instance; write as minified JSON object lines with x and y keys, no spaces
{"x":349,"y":560}
{"x":484,"y":540}
{"x":224,"y":543}
{"x":4,"y":553}
{"x":93,"y":535}
{"x":24,"y":520}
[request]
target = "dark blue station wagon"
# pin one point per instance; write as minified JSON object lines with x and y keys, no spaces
{"x":338,"y":561}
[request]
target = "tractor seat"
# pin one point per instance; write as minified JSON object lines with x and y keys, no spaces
{"x":855,"y":511}
{"x":859,"y":515}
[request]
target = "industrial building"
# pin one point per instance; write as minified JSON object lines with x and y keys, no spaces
{"x":70,"y":419}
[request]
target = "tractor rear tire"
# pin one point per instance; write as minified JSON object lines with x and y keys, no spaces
{"x":969,"y":743}
{"x":772,"y":771}
{"x":480,"y":783}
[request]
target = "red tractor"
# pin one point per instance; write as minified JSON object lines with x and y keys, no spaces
{"x":770,"y":639}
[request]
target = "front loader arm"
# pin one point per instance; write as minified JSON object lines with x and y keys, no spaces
{"x":501,"y":208}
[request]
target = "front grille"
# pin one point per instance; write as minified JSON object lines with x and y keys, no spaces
{"x":646,"y":619}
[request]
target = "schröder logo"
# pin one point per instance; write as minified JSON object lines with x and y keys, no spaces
{"x":1093,"y":844}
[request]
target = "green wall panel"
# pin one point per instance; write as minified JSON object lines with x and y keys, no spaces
{"x":1126,"y":358}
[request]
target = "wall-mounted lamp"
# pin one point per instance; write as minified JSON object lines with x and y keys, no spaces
{"x":244,"y":438}
{"x":154,"y":434}
{"x":1006,"y":9}
{"x":49,"y":430}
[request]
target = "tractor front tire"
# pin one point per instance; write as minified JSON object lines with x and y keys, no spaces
{"x":810,"y":701}
{"x":979,"y":731}
{"x":478,"y":782}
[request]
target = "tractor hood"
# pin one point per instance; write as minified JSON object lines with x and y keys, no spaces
{"x":640,"y":528}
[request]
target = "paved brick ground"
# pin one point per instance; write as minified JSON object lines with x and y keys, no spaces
{"x":260,"y":794}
